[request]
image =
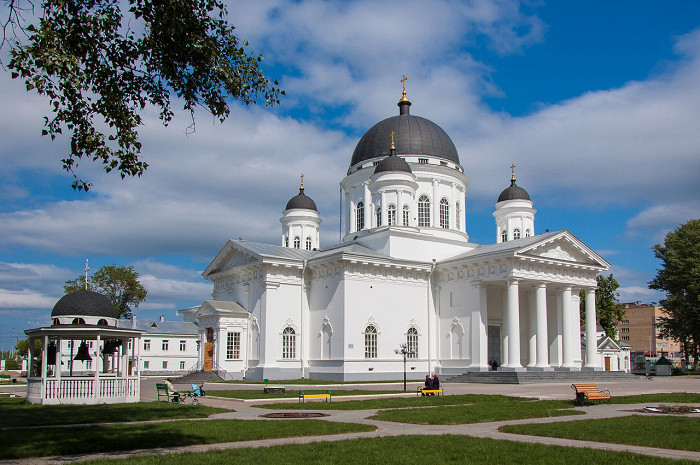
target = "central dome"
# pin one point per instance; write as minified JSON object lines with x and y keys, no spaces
{"x":413,"y":135}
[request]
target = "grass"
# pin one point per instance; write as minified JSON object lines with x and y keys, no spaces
{"x":258,"y":393}
{"x":405,"y":450}
{"x":22,"y":443}
{"x":479,"y":413}
{"x":680,"y":397}
{"x":668,"y":432}
{"x":17,"y":412}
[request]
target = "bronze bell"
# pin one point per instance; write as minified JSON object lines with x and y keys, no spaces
{"x":83,"y":353}
{"x":51,"y":353}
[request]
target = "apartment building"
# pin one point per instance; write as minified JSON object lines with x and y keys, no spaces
{"x":638,"y":328}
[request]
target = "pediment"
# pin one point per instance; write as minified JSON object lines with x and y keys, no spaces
{"x":564,"y":249}
{"x":217,"y":308}
{"x":608,"y":344}
{"x":229,"y":258}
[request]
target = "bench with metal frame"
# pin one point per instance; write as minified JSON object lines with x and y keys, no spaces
{"x":303,"y":397}
{"x":588,"y":393}
{"x":422,"y":391}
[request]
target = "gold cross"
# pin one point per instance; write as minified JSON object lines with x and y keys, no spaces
{"x":392,"y":140}
{"x":512,"y":167}
{"x":403,"y":82}
{"x":302,"y":181}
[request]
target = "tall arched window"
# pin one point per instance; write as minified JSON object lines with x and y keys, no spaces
{"x":297,"y":242}
{"x":289,"y":343}
{"x":459,"y":215}
{"x":527,"y":233}
{"x":286,"y":241}
{"x":412,"y":342}
{"x":360,"y":216}
{"x":308,"y":243}
{"x":406,"y":215}
{"x":504,"y":236}
{"x":391,"y":215}
{"x":423,"y":210}
{"x":444,"y":213}
{"x":379,"y":216}
{"x":516,"y":233}
{"x":370,"y":341}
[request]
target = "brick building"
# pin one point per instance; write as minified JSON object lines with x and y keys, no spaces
{"x":638,"y":328}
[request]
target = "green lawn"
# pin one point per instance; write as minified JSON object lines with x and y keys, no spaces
{"x":317,"y":382}
{"x":394,"y":402}
{"x":671,"y":397}
{"x":36,"y":442}
{"x":293,"y":393}
{"x":17,"y":412}
{"x":478,"y":413}
{"x":406,"y":450}
{"x":668,"y":431}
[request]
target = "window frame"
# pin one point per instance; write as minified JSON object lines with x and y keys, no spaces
{"x":371,"y":341}
{"x":412,"y":342}
{"x":360,"y":216}
{"x":391,"y":215}
{"x":424,"y":211}
{"x":444,"y":213}
{"x":289,"y":344}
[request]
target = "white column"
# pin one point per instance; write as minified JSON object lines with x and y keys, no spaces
{"x":532,"y":329}
{"x":369,"y":214}
{"x":542,"y":346}
{"x":567,"y":329}
{"x":513,"y":327}
{"x":591,"y":340}
{"x":479,"y":322}
{"x":352,"y":219}
{"x":348,"y":209}
{"x":436,"y":205}
{"x":504,"y":328}
{"x":453,"y":210}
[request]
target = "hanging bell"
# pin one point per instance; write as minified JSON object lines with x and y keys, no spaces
{"x":83,"y":353}
{"x":51,"y":353}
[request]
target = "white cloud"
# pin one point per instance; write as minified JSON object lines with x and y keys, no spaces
{"x":26,"y":298}
{"x":656,"y":221}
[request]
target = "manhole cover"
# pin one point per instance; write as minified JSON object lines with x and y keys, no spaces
{"x":294,"y":415}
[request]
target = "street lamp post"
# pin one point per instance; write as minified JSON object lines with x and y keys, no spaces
{"x":405,"y":352}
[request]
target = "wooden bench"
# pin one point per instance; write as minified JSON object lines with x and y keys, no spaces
{"x":5,"y":378}
{"x":274,"y":390}
{"x":303,"y":397}
{"x":587,"y":393}
{"x":422,"y":391}
{"x":169,"y":395}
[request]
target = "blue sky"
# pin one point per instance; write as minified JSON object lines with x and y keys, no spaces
{"x":595,"y":102}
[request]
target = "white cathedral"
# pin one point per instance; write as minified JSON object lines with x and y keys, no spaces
{"x":404,"y":273}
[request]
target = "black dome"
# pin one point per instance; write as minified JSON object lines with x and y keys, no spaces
{"x":413,"y":135}
{"x":84,"y":303}
{"x":393,"y":163}
{"x":513,"y":192}
{"x":301,"y":201}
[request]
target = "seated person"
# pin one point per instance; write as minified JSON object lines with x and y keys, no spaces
{"x":428,"y":383}
{"x":169,"y":383}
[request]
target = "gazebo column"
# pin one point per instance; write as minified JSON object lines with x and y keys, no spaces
{"x":44,"y":376}
{"x":96,"y":392}
{"x":542,"y":346}
{"x":513,"y":327}
{"x":591,"y":339}
{"x":567,"y":329}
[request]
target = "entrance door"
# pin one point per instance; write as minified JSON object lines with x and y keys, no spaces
{"x":607,"y":363}
{"x":494,"y":342}
{"x":209,"y":350}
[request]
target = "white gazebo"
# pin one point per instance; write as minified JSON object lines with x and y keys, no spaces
{"x":83,"y":357}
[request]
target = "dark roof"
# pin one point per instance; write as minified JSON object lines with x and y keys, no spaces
{"x":301,"y":201}
{"x":84,"y":303}
{"x":413,"y":135}
{"x":393,"y":163}
{"x":513,"y":192}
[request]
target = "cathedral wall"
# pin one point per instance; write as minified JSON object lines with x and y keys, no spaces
{"x":456,"y":302}
{"x":326,"y":322}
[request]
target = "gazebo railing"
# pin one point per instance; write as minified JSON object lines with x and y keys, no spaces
{"x":77,"y":390}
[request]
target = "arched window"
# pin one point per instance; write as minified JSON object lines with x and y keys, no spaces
{"x":102,"y":322}
{"x":297,"y":242}
{"x":459,"y":215}
{"x":308,"y":243}
{"x":516,"y":233}
{"x":423,"y":210}
{"x":444,"y":213}
{"x":286,"y":241}
{"x":289,"y":343}
{"x":78,"y":321}
{"x":504,"y":236}
{"x":527,"y":233}
{"x":379,"y":216}
{"x":406,"y":213}
{"x":412,"y":342}
{"x":360,"y":216}
{"x":370,"y":341}
{"x":391,"y":215}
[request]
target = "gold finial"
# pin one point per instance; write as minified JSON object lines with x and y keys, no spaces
{"x":512,"y":168}
{"x":302,"y":182}
{"x":392,"y":140}
{"x":403,"y":94}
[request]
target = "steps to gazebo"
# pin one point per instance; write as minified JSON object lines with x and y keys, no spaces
{"x":535,"y":377}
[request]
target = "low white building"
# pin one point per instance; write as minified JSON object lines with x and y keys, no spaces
{"x":610,"y":355}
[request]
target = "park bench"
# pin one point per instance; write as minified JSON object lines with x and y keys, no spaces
{"x":422,"y":391}
{"x":5,"y":378}
{"x":303,"y":397}
{"x":274,"y":390}
{"x":587,"y":393}
{"x":169,"y":395}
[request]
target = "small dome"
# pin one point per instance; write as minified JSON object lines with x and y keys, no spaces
{"x":393,"y":163}
{"x":84,"y":303}
{"x":301,"y":201}
{"x":513,"y":192}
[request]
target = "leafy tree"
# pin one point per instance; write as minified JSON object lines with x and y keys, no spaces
{"x":679,"y":277}
{"x":22,"y":347}
{"x":118,"y":283}
{"x":101,"y":62}
{"x":608,"y":310}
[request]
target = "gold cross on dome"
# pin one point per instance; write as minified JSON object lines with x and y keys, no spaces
{"x":512,"y":168}
{"x":392,"y":140}
{"x":302,"y":182}
{"x":403,"y":82}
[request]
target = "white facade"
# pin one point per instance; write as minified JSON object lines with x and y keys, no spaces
{"x":404,"y":272}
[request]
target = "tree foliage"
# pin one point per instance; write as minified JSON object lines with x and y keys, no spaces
{"x":679,"y":277}
{"x":608,"y":309}
{"x":118,"y":283}
{"x":101,"y":62}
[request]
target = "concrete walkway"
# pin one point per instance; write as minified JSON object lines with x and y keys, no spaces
{"x":244,"y":411}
